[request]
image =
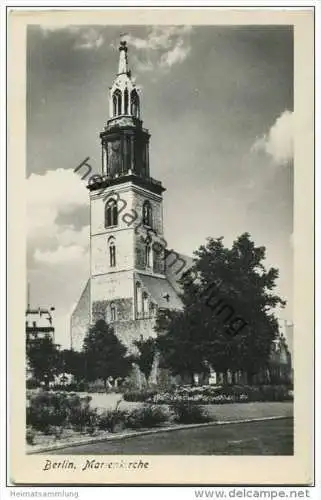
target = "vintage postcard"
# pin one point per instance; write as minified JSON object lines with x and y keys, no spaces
{"x":160,"y":242}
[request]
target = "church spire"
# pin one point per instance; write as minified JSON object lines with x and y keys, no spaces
{"x":123,"y":60}
{"x":124,"y":99}
{"x":125,"y":143}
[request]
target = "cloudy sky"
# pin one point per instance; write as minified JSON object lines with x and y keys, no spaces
{"x":219,"y":104}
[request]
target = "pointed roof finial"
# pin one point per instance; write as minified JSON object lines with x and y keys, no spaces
{"x":123,"y":61}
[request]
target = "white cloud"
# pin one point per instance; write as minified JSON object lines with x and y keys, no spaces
{"x":278,"y":142}
{"x":163,"y":47}
{"x":86,"y":38}
{"x":175,"y":55}
{"x":170,"y":44}
{"x":89,"y":39}
{"x":69,"y":236}
{"x":158,"y":37}
{"x":47,"y":29}
{"x":73,"y":254}
{"x":48,"y":196}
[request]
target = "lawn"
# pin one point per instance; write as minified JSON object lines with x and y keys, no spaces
{"x":269,"y":437}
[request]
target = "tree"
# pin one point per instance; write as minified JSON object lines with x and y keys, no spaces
{"x":145,"y":358}
{"x":44,"y":359}
{"x":104,"y":354}
{"x":179,"y":343}
{"x":73,"y":362}
{"x":228,"y":318}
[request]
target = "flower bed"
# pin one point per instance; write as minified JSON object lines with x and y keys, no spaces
{"x":56,"y":417}
{"x":214,"y":395}
{"x":63,"y":417}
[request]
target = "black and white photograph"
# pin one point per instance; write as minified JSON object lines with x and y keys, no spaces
{"x":160,"y":239}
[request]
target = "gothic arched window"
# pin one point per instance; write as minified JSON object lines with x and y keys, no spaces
{"x":113,"y":312}
{"x":111,"y":213}
{"x":148,"y":256}
{"x":145,"y":304}
{"x":155,"y":260}
{"x":126,"y":102}
{"x":134,"y":103}
{"x":112,"y":251}
{"x":139,"y":298}
{"x":114,"y":104}
{"x":117,"y":102}
{"x":147,"y":214}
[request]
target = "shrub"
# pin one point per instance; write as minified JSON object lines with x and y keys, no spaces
{"x":48,"y":411}
{"x":57,"y":431}
{"x":139,"y":396}
{"x":110,"y":419}
{"x":30,"y":436}
{"x":147,"y":416}
{"x":72,"y":387}
{"x":275,"y":393}
{"x":83,"y":419}
{"x":189,"y":413}
{"x":32,"y":383}
{"x":44,"y":412}
{"x":81,"y":416}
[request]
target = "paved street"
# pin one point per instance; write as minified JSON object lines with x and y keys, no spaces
{"x":271,"y":437}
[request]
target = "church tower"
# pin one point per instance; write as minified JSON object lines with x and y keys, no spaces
{"x":130,"y":278}
{"x":126,"y":216}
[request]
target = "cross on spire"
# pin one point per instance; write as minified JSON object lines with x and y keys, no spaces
{"x":123,"y":61}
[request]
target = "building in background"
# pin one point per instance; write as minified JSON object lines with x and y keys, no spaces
{"x":280,"y":363}
{"x":286,"y":328}
{"x":39,"y":323}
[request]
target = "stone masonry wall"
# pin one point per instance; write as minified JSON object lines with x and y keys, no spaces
{"x":128,"y":331}
{"x":101,"y":309}
{"x":157,"y":215}
{"x":126,"y":328}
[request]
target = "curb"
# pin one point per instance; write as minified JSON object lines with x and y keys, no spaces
{"x":125,"y":435}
